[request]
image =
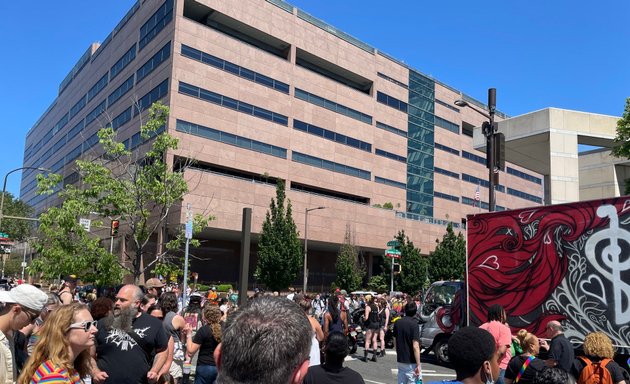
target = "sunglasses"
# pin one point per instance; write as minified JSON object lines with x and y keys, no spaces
{"x":32,"y":316}
{"x":84,"y":325}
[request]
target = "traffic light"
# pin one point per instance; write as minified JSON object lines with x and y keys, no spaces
{"x":397,"y":268}
{"x":114,"y":228}
{"x":499,"y":151}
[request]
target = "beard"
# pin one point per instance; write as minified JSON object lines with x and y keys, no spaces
{"x":121,"y":319}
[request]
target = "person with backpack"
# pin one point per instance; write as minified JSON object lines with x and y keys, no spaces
{"x":598,"y":366}
{"x":523,"y":368}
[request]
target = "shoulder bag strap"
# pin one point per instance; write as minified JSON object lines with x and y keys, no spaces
{"x":523,"y":368}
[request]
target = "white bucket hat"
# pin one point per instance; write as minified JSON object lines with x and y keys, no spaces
{"x":25,"y":295}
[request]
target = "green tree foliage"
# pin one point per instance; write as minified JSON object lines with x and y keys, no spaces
{"x":279,"y":250}
{"x":17,"y":229}
{"x":349,"y":266}
{"x":377,"y":283}
{"x":137,"y":188}
{"x":621,"y":146}
{"x":448,"y":261}
{"x":413,"y":272}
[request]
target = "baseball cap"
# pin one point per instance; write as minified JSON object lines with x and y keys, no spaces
{"x":25,"y":295}
{"x":153,"y":283}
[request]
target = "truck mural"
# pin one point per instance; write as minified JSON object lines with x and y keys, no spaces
{"x":568,"y":262}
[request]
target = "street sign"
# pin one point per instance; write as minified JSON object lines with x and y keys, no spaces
{"x":393,"y":243}
{"x":394,"y":253}
{"x":85,"y":223}
{"x":189,"y":229}
{"x":23,"y":264}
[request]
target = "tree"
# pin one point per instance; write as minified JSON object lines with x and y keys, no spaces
{"x":413,"y":272}
{"x":448,"y":261}
{"x":17,"y":229}
{"x":621,"y":146}
{"x":279,"y":249}
{"x":350,"y":269}
{"x":135,"y":187}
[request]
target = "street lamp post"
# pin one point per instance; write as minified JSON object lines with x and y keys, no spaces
{"x":307,"y":210}
{"x":4,"y":189}
{"x":488,"y":129}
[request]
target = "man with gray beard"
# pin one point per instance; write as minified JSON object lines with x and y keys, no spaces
{"x":131,"y":346}
{"x":265,"y":342}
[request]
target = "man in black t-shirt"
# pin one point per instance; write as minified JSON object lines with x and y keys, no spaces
{"x":127,"y":341}
{"x":333,"y":371}
{"x":561,"y":352}
{"x":407,"y":340}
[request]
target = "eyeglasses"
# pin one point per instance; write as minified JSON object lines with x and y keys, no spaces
{"x":32,"y":316}
{"x":84,"y":325}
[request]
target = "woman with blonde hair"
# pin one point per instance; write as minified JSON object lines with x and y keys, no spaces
{"x":205,"y":341}
{"x":524,"y":368}
{"x":62,"y":353}
{"x":598,"y":349}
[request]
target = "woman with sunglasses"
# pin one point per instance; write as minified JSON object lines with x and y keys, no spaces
{"x":62,"y":353}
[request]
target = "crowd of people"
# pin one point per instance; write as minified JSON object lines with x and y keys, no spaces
{"x":148,"y":335}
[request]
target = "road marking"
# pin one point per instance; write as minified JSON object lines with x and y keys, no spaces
{"x":426,"y":372}
{"x":372,"y":381}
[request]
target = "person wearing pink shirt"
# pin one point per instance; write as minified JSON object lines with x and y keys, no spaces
{"x":500,"y":331}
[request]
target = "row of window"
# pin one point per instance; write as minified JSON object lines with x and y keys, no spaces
{"x":446,"y":149}
{"x":231,"y":103}
{"x":524,"y":175}
{"x":447,"y":105}
{"x":482,"y":182}
{"x":98,"y":87}
{"x":473,"y":157}
{"x":391,"y":129}
{"x":390,"y":155}
{"x":119,"y":92}
{"x":156,"y":23}
{"x":330,"y":165}
{"x":391,"y":79}
{"x":231,"y":139}
{"x":237,"y":70}
{"x":446,"y":196}
{"x":126,"y":58}
{"x":153,"y":62}
{"x":331,"y":105}
{"x":389,"y":182}
{"x":330,"y":135}
{"x":391,"y":101}
{"x":446,"y":172}
{"x":484,"y":205}
{"x":448,"y":125}
{"x":154,"y":95}
{"x":524,"y":195}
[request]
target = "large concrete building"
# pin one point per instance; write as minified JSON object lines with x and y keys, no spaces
{"x":260,"y":90}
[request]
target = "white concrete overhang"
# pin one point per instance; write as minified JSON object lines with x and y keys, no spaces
{"x":527,"y":137}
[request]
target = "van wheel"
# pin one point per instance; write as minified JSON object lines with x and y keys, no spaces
{"x":441,"y":351}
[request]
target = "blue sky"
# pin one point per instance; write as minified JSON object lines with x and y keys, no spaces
{"x":538,"y":54}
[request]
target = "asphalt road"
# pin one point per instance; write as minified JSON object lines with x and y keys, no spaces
{"x":385,"y":371}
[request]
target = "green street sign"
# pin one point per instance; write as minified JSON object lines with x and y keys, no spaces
{"x":393,"y":243}
{"x":393,"y":253}
{"x":2,"y":234}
